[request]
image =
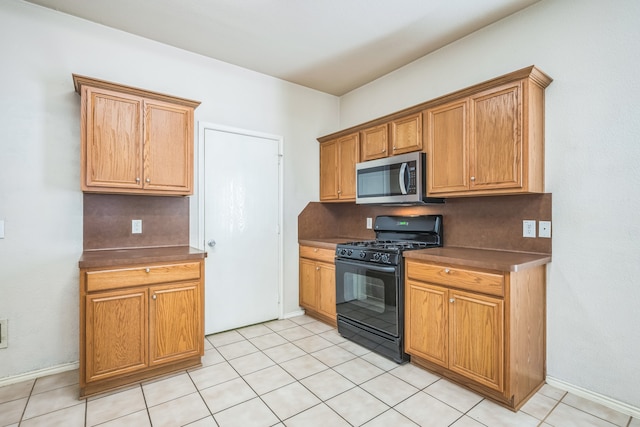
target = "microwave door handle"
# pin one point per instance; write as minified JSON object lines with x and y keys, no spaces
{"x":402,"y":178}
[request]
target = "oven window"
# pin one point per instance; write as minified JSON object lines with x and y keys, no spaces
{"x":364,"y":292}
{"x":368,"y":295}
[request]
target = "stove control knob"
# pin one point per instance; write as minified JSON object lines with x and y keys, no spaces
{"x":385,"y":258}
{"x":343,"y":251}
{"x":349,"y":252}
{"x":362,"y":254}
{"x":376,"y":256}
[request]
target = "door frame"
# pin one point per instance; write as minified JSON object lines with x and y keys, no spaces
{"x":204,"y":126}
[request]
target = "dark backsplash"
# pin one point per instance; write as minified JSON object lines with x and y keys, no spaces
{"x":107,"y":221}
{"x":475,"y":222}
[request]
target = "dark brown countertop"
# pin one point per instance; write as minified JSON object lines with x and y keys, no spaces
{"x":470,"y":257}
{"x":327,"y":243}
{"x":113,"y":257}
{"x":481,"y":258}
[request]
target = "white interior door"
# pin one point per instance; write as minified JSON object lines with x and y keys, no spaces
{"x":241,"y":228}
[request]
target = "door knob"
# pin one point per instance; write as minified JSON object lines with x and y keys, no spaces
{"x":211,"y":243}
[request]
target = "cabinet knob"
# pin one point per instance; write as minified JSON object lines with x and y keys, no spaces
{"x":147,"y":270}
{"x":317,"y":268}
{"x":446,"y":270}
{"x":473,"y":178}
{"x":137,"y":180}
{"x":153,"y":296}
{"x":394,"y":147}
{"x":339,"y":191}
{"x":384,"y":149}
{"x":450,"y":299}
{"x":148,"y":180}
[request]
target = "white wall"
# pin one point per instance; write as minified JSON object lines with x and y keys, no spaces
{"x":40,"y":198}
{"x":592,"y":50}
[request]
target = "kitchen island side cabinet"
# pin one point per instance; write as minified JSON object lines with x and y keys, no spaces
{"x":484,"y":329}
{"x":139,"y":321}
{"x":134,"y":141}
{"x":488,"y":142}
{"x":318,"y":283}
{"x":338,"y":160}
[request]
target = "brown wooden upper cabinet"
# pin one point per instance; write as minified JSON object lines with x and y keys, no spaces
{"x":375,"y":142}
{"x":399,"y":136}
{"x":134,"y":141}
{"x":406,"y":134}
{"x":487,"y":139}
{"x":338,"y":160}
{"x":490,"y":142}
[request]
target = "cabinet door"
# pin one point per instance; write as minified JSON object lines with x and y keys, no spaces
{"x":112,"y":141}
{"x":116,"y":333}
{"x":375,"y":142}
{"x":168,"y":147}
{"x":406,"y":134}
{"x":447,"y":144}
{"x":496,"y":138}
{"x":476,"y":338}
{"x":348,"y":156}
{"x":326,"y":289}
{"x":329,"y":170}
{"x":175,"y":326}
{"x":426,"y":327}
{"x":308,"y":286}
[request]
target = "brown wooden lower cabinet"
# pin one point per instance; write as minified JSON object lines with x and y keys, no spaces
{"x":318,"y":283}
{"x":483,"y":329}
{"x":139,"y":321}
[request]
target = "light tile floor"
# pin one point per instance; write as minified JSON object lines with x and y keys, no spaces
{"x":295,"y":372}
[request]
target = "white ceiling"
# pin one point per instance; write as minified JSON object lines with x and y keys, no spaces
{"x":333,"y":46}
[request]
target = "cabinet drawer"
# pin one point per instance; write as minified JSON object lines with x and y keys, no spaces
{"x":472,"y":280}
{"x":135,"y":276}
{"x":326,"y":255}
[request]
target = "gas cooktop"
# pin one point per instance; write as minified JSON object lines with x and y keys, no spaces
{"x":394,"y":235}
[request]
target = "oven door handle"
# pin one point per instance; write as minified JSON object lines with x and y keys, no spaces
{"x":370,"y":266}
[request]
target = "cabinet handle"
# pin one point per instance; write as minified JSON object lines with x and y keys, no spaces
{"x":137,"y":180}
{"x":446,"y":270}
{"x":148,"y":180}
{"x":147,"y":270}
{"x":450,"y":299}
{"x":153,"y":296}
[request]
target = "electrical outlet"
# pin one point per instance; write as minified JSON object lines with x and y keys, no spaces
{"x":4,"y":333}
{"x":369,"y":223}
{"x":528,"y":228}
{"x":545,"y":229}
{"x":136,"y":226}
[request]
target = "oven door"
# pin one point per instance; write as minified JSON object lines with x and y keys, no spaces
{"x":367,"y":293}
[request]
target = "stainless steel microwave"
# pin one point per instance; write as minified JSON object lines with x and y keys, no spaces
{"x":393,"y":180}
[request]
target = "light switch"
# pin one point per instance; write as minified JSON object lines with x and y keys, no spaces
{"x":369,"y":223}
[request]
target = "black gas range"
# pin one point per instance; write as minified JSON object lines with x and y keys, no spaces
{"x":370,"y":281}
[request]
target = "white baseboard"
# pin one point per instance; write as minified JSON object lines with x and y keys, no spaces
{"x":38,"y":374}
{"x":293,"y":314}
{"x":625,"y":408}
